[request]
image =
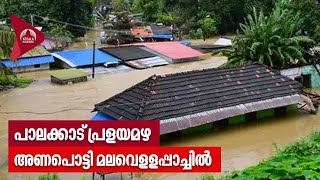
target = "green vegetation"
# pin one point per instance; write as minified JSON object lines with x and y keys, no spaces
{"x":7,"y":77}
{"x":300,"y":160}
{"x":76,"y":12}
{"x":59,"y":34}
{"x":48,"y":177}
{"x":15,"y":81}
{"x":269,"y":40}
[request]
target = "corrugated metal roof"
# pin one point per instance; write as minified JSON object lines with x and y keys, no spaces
{"x":108,"y":70}
{"x":28,"y":61}
{"x":223,"y":42}
{"x":173,"y":50}
{"x":77,"y":58}
{"x":147,"y":62}
{"x":127,"y":53}
{"x":37,"y":51}
{"x":101,"y":116}
{"x":163,"y":36}
{"x":291,"y":73}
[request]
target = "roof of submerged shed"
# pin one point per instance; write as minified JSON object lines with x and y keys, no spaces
{"x":128,"y":53}
{"x":78,"y":58}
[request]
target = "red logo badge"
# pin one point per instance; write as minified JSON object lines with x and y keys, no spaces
{"x":27,"y":37}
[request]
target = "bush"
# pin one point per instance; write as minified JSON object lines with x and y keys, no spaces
{"x":300,"y":160}
{"x":316,"y":36}
{"x":15,"y":81}
{"x":48,"y":177}
{"x":195,"y":34}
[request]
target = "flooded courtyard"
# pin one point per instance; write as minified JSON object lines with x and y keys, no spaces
{"x":242,"y":145}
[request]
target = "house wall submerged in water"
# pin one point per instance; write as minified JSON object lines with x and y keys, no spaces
{"x":306,"y":75}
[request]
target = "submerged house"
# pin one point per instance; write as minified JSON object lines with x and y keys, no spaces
{"x":307,"y":75}
{"x":36,"y":59}
{"x":104,"y":62}
{"x":68,"y":76}
{"x":161,"y":32}
{"x":210,"y":97}
{"x":136,"y":56}
{"x":173,"y":52}
{"x":142,"y":33}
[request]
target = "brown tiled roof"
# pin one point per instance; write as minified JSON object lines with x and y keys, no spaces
{"x":177,"y":95}
{"x":142,"y":31}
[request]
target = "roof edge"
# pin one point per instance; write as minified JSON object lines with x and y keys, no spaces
{"x":189,"y":121}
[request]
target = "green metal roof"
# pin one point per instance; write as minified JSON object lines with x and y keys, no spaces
{"x":66,"y":74}
{"x":37,"y":51}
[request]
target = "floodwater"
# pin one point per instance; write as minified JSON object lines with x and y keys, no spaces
{"x":242,"y":145}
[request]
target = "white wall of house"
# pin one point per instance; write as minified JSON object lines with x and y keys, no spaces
{"x":37,"y":67}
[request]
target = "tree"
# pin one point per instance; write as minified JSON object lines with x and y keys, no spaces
{"x":208,"y":26}
{"x":7,"y":39}
{"x":309,"y":9}
{"x":120,"y":5}
{"x":270,"y":40}
{"x":59,"y":33}
{"x":70,"y":11}
{"x":77,"y":12}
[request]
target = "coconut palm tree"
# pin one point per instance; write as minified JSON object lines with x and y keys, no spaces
{"x":269,"y":40}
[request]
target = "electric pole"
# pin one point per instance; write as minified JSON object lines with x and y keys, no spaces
{"x":93,"y":58}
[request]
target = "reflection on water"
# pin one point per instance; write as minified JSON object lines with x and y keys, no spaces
{"x":242,"y":145}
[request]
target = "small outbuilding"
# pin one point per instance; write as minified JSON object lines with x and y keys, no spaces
{"x":68,"y":76}
{"x":35,"y":60}
{"x":174,"y":52}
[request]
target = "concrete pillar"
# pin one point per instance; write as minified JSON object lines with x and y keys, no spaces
{"x":280,"y":111}
{"x":220,"y":124}
{"x":251,"y":117}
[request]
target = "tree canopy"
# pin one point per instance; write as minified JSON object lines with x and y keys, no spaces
{"x":70,"y":11}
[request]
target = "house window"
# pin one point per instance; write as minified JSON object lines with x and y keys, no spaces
{"x":36,"y":65}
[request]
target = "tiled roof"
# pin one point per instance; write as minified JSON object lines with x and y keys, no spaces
{"x":170,"y":96}
{"x":142,"y":31}
{"x":78,"y":58}
{"x":128,"y":53}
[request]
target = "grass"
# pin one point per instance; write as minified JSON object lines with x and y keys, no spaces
{"x":15,"y":81}
{"x":300,"y":160}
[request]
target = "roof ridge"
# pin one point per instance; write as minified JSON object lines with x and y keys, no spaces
{"x":213,"y":68}
{"x":147,"y":96}
{"x":122,"y":92}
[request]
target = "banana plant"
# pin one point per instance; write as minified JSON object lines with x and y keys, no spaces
{"x":270,"y":40}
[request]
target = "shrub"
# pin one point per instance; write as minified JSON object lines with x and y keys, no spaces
{"x":48,"y":177}
{"x":300,"y":160}
{"x":269,"y":40}
{"x":15,"y":81}
{"x":195,"y":34}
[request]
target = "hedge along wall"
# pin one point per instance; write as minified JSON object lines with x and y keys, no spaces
{"x":315,"y":78}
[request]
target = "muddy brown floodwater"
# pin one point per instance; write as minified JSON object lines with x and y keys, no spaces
{"x":242,"y":145}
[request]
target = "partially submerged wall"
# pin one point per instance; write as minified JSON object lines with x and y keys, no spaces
{"x":315,"y":77}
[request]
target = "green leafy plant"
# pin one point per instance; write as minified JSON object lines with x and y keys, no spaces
{"x":15,"y":81}
{"x":48,"y":177}
{"x":195,"y":34}
{"x":269,"y":40}
{"x":300,"y":160}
